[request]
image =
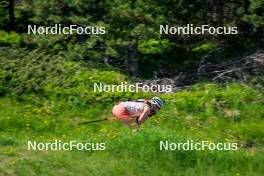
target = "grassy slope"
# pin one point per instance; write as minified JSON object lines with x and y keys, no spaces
{"x":206,"y":112}
{"x":192,"y":116}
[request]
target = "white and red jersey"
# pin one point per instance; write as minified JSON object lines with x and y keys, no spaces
{"x":134,"y":107}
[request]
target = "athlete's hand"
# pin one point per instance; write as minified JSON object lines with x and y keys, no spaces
{"x":144,"y":116}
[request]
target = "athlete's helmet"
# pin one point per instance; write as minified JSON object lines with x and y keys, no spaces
{"x":157,"y":101}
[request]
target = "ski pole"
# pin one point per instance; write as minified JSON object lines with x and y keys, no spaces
{"x":105,"y":119}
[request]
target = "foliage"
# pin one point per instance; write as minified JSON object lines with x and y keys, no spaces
{"x":9,"y":38}
{"x":46,"y":87}
{"x":133,"y":30}
{"x":204,"y":47}
{"x":256,"y":14}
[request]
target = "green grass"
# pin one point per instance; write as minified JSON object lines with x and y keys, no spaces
{"x":232,"y":113}
{"x":43,"y":96}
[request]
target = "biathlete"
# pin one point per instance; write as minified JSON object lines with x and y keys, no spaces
{"x":137,"y":111}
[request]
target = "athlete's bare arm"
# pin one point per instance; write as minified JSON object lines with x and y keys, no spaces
{"x":144,"y":116}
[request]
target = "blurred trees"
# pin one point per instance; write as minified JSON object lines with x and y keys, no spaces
{"x":11,"y":15}
{"x":3,"y":14}
{"x":255,"y":15}
{"x":218,"y":12}
{"x":132,"y":42}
